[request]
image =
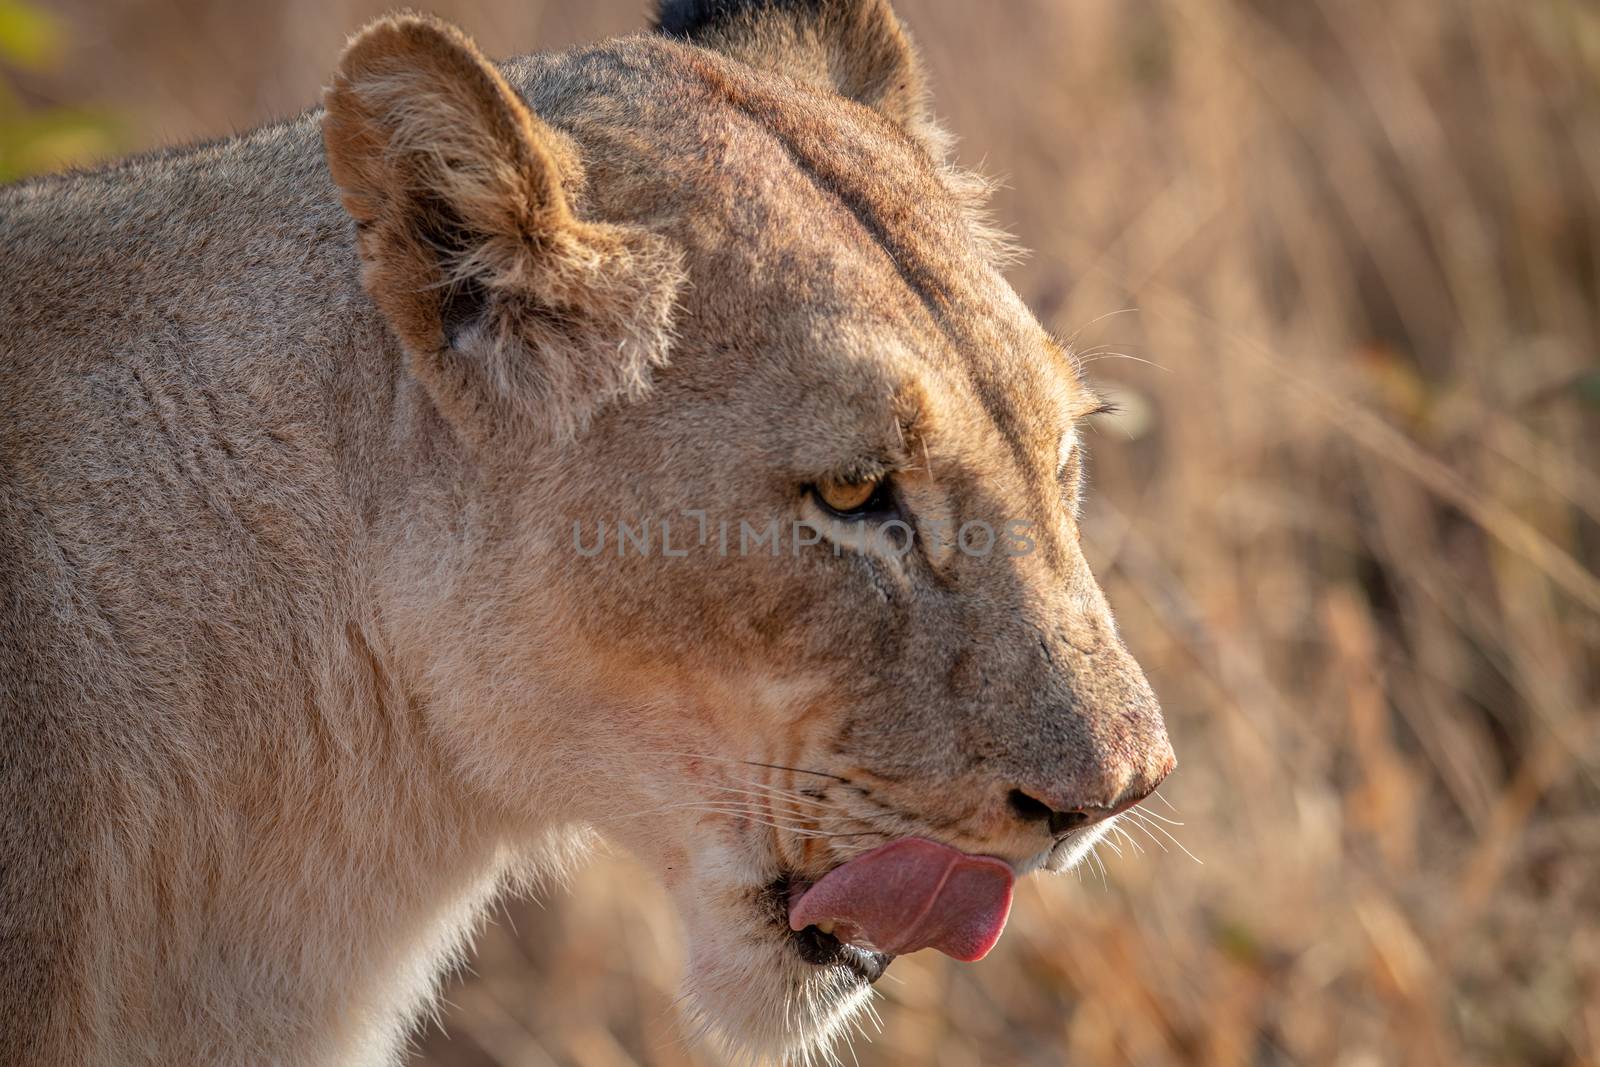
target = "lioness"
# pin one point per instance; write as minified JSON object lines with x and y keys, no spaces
{"x":396,"y":497}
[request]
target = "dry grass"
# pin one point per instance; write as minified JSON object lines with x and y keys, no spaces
{"x":1340,"y":259}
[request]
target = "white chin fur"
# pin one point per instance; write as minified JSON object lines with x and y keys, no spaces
{"x":1073,"y":851}
{"x":750,"y":992}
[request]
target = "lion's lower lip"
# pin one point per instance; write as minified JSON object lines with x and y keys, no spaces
{"x":825,"y":950}
{"x":815,"y":947}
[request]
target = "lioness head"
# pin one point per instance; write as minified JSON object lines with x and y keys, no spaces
{"x":766,"y":559}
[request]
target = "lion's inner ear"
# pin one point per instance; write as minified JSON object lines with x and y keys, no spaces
{"x":513,"y":309}
{"x":856,"y":48}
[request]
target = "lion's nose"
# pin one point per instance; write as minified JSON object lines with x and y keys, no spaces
{"x":1063,"y":816}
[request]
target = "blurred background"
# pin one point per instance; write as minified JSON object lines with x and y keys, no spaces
{"x":1339,"y":262}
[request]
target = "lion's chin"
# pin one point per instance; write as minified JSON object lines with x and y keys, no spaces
{"x":750,"y":990}
{"x":763,"y":1004}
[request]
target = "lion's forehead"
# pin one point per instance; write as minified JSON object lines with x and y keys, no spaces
{"x":795,"y":185}
{"x":826,"y":249}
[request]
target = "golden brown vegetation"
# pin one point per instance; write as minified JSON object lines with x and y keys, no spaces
{"x":1340,"y":262}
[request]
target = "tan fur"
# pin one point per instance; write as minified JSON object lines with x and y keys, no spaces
{"x":299,"y":665}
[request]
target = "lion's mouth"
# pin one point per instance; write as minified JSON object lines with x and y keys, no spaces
{"x":900,"y":897}
{"x":822,"y":949}
{"x":818,"y":947}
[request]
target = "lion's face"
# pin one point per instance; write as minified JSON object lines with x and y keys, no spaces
{"x":804,"y":570}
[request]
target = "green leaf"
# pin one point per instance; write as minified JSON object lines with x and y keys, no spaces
{"x":29,"y":38}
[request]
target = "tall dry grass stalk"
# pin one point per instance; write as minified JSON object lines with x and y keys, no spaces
{"x":1340,"y":261}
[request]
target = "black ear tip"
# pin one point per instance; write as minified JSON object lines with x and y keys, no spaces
{"x":681,"y":18}
{"x":686,"y":18}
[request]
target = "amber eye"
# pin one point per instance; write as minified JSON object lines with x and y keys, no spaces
{"x":851,"y":499}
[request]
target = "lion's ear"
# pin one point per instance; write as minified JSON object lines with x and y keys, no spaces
{"x":856,"y":48}
{"x":511,"y":308}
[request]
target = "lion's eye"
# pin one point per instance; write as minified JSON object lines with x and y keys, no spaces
{"x":852,"y":499}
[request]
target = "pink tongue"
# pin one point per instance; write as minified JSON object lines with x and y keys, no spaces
{"x":912,"y":894}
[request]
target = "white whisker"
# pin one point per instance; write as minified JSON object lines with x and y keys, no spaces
{"x":1163,"y":830}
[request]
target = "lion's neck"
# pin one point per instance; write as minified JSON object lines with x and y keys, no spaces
{"x":297,"y":890}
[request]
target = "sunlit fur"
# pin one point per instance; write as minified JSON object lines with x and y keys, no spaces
{"x":299,"y":668}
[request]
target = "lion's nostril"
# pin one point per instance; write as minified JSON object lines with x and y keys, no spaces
{"x":1031,"y":809}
